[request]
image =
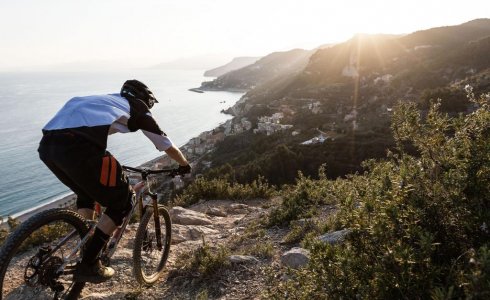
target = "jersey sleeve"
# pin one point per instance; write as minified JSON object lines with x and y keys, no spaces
{"x":161,"y":141}
{"x":141,"y":119}
{"x":144,"y":121}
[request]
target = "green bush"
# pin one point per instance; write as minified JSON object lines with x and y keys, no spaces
{"x":206,"y":189}
{"x":302,"y":199}
{"x":204,"y":261}
{"x":419,"y":223}
{"x":263,"y":249}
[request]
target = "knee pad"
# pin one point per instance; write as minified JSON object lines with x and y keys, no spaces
{"x":84,"y":202}
{"x":118,"y":215}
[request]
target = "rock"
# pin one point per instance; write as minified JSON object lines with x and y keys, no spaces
{"x":177,"y":238}
{"x":295,"y":258}
{"x":96,"y":295}
{"x":334,"y":237}
{"x":184,"y":216}
{"x":182,"y":233}
{"x":214,"y":211}
{"x":238,"y":208}
{"x":242,"y":259}
{"x":302,"y":222}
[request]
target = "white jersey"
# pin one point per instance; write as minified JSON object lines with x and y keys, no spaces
{"x":95,"y":117}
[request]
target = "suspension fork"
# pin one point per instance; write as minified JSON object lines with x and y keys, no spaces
{"x":156,"y":218}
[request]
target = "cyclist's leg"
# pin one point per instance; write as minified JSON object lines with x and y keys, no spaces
{"x":102,"y":179}
{"x":85,"y":206}
{"x":76,"y":161}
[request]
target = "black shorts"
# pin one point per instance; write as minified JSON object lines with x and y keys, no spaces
{"x":90,"y":171}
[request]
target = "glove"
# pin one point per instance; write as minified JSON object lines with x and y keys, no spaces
{"x":181,"y":170}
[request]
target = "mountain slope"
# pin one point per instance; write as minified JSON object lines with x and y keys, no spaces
{"x":235,"y":64}
{"x":265,"y":69}
{"x":354,"y":87}
{"x":422,"y":60}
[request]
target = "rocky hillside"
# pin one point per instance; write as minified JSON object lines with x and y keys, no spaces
{"x":385,"y":65}
{"x":265,"y":69}
{"x":235,"y":64}
{"x":244,"y":266}
{"x":337,"y":109}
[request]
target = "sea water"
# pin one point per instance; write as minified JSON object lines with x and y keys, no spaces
{"x":29,"y":100}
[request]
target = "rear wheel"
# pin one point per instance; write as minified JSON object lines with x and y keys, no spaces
{"x":148,"y":259}
{"x":32,"y":257}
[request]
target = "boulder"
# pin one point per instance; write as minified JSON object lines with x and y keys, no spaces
{"x":183,"y":233}
{"x":214,"y":211}
{"x":184,"y":216}
{"x":334,"y":237}
{"x":242,"y":259}
{"x":239,"y":208}
{"x":295,"y":258}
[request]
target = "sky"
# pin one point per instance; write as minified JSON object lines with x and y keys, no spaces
{"x":54,"y":34}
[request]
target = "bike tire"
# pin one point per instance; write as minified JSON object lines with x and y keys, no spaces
{"x":139,"y":240}
{"x":25,"y":229}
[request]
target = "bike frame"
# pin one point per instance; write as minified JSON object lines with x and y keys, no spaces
{"x":142,"y":189}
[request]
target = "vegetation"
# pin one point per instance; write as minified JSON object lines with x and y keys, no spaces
{"x":262,"y":250}
{"x":302,"y":199}
{"x":223,"y":189}
{"x":419,"y":222}
{"x":203,"y":262}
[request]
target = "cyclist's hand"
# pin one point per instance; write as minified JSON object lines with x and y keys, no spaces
{"x":181,"y":170}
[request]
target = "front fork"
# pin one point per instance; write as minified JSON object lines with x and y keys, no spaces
{"x":156,"y":218}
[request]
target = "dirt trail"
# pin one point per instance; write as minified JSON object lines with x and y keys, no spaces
{"x":243,"y":281}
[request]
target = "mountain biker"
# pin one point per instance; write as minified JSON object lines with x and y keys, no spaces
{"x":73,"y":147}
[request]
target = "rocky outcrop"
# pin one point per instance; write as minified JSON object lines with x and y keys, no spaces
{"x":182,"y":233}
{"x":242,"y":259}
{"x":214,"y":211}
{"x":184,"y":216}
{"x":295,"y":258}
{"x":335,"y":237}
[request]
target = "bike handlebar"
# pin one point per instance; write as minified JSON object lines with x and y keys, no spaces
{"x":148,"y":171}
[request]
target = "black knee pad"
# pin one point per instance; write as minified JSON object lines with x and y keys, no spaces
{"x":84,"y":202}
{"x":118,"y":215}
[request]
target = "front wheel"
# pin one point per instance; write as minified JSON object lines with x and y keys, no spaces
{"x":149,"y":259}
{"x":37,"y":259}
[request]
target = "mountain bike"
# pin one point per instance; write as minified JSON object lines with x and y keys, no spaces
{"x":38,"y":259}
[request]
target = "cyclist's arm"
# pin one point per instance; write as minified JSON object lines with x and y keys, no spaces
{"x":163,"y":143}
{"x":177,"y":155}
{"x":150,"y":128}
{"x":160,"y":140}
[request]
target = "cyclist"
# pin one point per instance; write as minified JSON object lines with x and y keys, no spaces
{"x":73,"y":147}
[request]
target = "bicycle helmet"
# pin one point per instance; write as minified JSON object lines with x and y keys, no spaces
{"x":138,"y":90}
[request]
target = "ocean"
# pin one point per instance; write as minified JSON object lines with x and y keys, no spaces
{"x":29,"y":100}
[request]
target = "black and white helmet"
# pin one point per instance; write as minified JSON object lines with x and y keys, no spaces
{"x":137,"y":89}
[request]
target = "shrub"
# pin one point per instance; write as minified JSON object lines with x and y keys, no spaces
{"x":419,"y":223}
{"x":204,"y":261}
{"x":299,"y":231}
{"x":302,"y":199}
{"x":260,"y":249}
{"x":202,"y":188}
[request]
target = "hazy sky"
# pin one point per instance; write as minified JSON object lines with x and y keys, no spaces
{"x":36,"y":33}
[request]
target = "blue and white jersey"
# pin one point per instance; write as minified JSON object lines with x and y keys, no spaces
{"x":96,"y":117}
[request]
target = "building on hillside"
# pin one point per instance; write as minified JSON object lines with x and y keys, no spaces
{"x":350,"y":116}
{"x":383,"y":79}
{"x":316,"y":140}
{"x":227,"y":127}
{"x":246,"y":124}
